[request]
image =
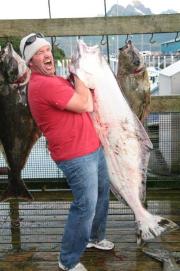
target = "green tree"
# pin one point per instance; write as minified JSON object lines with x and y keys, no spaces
{"x":58,"y":53}
{"x":14,"y":40}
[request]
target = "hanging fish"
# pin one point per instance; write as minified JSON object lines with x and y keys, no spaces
{"x":133,"y":79}
{"x":126,"y":144}
{"x":18,"y":131}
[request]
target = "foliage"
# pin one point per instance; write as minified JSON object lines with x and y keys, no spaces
{"x":14,"y":40}
{"x":57,"y":52}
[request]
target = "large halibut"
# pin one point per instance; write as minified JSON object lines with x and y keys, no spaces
{"x":125,"y":141}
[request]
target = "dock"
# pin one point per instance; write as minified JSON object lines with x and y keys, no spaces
{"x":31,"y":232}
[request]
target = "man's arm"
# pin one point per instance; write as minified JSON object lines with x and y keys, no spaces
{"x":81,"y":100}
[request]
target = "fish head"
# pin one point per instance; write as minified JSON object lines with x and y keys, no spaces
{"x":85,"y":62}
{"x":8,"y":64}
{"x":12,"y":66}
{"x":129,"y":58}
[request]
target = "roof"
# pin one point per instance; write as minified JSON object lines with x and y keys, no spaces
{"x":172,"y":69}
{"x":171,"y":41}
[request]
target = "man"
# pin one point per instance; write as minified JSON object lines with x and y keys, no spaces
{"x":61,"y":112}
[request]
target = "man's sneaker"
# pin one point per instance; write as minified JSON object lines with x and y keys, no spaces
{"x":104,"y":244}
{"x":77,"y":267}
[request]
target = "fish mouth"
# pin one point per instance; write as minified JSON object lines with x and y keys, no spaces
{"x":23,"y":79}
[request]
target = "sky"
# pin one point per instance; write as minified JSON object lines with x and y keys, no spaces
{"x":38,"y":9}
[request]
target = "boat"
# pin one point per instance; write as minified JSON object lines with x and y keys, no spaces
{"x":153,"y":73}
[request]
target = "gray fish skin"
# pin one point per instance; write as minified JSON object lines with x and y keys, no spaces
{"x":124,"y":139}
{"x":132,"y":77}
{"x":18,"y":132}
{"x":164,"y":256}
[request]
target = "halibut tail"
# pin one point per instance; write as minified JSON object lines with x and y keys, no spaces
{"x":153,"y":226}
{"x":18,"y":191}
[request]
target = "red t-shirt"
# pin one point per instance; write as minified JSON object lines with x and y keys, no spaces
{"x":69,"y":134}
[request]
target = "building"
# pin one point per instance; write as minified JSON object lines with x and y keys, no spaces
{"x":169,"y":80}
{"x":169,"y":124}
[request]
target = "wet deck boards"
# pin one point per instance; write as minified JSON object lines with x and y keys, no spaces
{"x":30,"y":234}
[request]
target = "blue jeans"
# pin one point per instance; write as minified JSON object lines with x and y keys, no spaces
{"x":88,"y":178}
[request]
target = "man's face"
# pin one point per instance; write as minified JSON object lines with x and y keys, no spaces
{"x":43,"y":62}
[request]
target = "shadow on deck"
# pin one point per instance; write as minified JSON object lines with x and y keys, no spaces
{"x":30,"y":233}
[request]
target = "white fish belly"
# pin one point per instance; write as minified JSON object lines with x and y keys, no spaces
{"x":125,"y":141}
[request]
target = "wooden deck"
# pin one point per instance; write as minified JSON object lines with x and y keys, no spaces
{"x":30,"y":233}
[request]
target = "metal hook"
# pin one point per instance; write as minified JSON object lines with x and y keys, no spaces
{"x":54,"y":41}
{"x":102,"y":42}
{"x":150,"y":40}
{"x":126,"y":40}
{"x":176,"y":36}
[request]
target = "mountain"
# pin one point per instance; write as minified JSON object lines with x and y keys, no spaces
{"x":169,"y":11}
{"x":136,"y":8}
{"x":139,"y":6}
{"x":141,"y":41}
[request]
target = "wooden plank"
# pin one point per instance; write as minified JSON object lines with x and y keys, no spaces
{"x":53,"y":266}
{"x":36,"y":246}
{"x":163,"y":104}
{"x":44,"y":198}
{"x":119,"y":246}
{"x":173,"y":237}
{"x":92,"y":26}
{"x":53,"y":256}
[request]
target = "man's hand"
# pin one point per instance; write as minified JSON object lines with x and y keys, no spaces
{"x":82,"y":100}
